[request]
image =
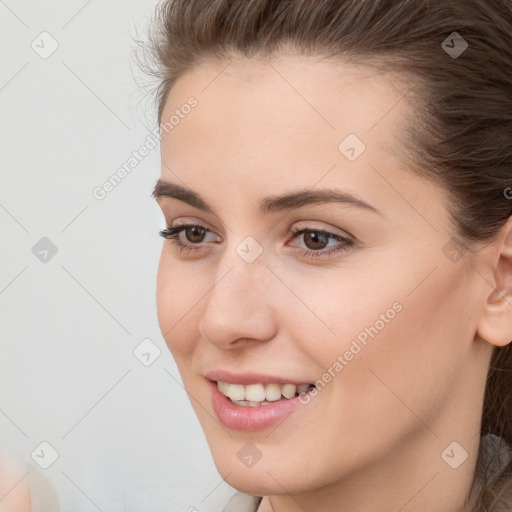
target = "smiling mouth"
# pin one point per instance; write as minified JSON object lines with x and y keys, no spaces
{"x":254,"y":395}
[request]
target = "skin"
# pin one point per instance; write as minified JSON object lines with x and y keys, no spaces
{"x":14,"y":488}
{"x":372,"y":439}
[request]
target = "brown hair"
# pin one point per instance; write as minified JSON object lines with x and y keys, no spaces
{"x":460,"y":135}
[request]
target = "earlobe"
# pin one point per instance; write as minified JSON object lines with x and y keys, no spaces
{"x":495,"y":324}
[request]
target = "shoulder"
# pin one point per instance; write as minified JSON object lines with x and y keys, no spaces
{"x":241,"y":502}
{"x":31,"y":489}
{"x":43,"y":494}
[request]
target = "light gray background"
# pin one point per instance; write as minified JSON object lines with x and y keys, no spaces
{"x":126,"y":436}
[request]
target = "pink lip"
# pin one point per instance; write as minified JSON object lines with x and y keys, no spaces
{"x":250,"y":419}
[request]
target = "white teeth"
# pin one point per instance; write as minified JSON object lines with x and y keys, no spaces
{"x":288,"y":390}
{"x":273,"y":392}
{"x":235,"y":391}
{"x":254,"y":395}
{"x":302,"y":388}
{"x":255,"y":392}
{"x":223,"y":387}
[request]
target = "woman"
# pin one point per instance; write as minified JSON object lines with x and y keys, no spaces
{"x":336,"y":280}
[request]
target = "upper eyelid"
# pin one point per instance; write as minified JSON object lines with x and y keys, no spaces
{"x":303,"y":225}
{"x":161,"y":200}
{"x":167,"y":213}
{"x":193,"y":224}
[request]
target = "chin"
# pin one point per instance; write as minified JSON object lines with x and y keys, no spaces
{"x":273,"y":474}
{"x":260,"y":482}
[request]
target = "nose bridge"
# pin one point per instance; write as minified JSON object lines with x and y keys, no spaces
{"x":238,"y":305}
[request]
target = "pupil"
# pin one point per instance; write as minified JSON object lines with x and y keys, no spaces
{"x":316,"y":237}
{"x":195,"y":230}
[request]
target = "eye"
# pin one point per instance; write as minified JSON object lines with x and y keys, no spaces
{"x":316,"y":239}
{"x":319,"y":237}
{"x":193,"y":232}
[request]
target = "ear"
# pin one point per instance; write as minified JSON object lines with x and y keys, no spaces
{"x":495,"y":325}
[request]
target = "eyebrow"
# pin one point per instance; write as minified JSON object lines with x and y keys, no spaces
{"x":277,"y":203}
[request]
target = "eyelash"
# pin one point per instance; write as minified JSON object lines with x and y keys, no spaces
{"x":171,"y":233}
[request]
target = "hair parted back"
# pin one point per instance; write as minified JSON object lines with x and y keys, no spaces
{"x":460,"y":132}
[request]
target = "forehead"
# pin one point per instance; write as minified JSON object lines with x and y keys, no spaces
{"x":304,"y":95}
{"x":263,"y":126}
{"x":291,"y":107}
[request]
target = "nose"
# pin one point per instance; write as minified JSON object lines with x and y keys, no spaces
{"x":239,"y":308}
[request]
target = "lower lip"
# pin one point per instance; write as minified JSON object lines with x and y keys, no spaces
{"x":248,"y":418}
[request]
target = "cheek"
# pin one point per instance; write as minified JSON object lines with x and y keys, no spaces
{"x":390,"y":346}
{"x":346,"y":316}
{"x":416,"y":357}
{"x":176,"y":299}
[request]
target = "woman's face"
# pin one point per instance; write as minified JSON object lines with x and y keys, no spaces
{"x":370,"y":302}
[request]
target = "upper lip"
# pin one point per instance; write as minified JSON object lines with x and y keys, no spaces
{"x":250,"y":378}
